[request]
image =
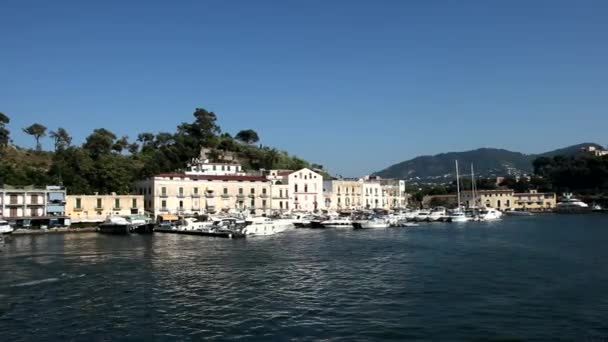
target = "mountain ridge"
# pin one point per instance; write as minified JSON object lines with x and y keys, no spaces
{"x":488,"y":161}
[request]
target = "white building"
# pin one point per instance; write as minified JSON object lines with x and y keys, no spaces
{"x":369,"y":192}
{"x":300,"y":190}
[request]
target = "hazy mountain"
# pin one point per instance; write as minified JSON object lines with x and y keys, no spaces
{"x":487,"y":162}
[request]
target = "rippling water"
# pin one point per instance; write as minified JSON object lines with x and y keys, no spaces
{"x":543,"y":278}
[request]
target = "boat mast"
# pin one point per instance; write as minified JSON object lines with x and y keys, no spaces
{"x":473,"y":187}
{"x":458,"y":184}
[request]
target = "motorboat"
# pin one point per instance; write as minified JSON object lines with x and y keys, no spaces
{"x":422,"y":216}
{"x":372,"y":223}
{"x":192,"y":223}
{"x":569,"y":204}
{"x":513,"y":212}
{"x":337,"y":223}
{"x":411,"y":215}
{"x":437,"y":214}
{"x":458,"y":215}
{"x":489,"y":214}
{"x":5,"y":228}
{"x":265,"y":226}
{"x":116,"y":225}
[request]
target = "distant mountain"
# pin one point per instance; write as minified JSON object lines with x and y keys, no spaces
{"x":487,"y":162}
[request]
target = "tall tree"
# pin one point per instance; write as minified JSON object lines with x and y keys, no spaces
{"x":100,"y":142}
{"x":121,"y":144}
{"x":61,"y":137}
{"x":248,"y":136}
{"x":37,"y":131}
{"x":4,"y":132}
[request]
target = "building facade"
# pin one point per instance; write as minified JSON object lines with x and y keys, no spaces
{"x":300,"y":190}
{"x":364,"y":193}
{"x":508,"y":199}
{"x":343,"y":194}
{"x":31,"y":205}
{"x":189,"y":195}
{"x":96,"y":208}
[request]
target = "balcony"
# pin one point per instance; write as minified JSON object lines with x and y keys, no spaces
{"x":264,"y":195}
{"x":181,"y":195}
{"x":240,"y":196}
{"x":98,"y":208}
{"x":163,"y":195}
{"x":163,"y":209}
{"x":116,"y":208}
{"x":225,"y":196}
{"x":252,"y":196}
{"x":77,"y":209}
{"x":209,"y":195}
{"x":196,"y":195}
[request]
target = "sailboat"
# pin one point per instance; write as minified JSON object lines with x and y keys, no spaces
{"x":458,"y":214}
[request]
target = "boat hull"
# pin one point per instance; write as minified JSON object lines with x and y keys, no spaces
{"x":115,"y":229}
{"x":370,"y":225}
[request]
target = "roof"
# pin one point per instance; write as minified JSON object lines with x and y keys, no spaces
{"x":285,"y":173}
{"x":215,"y":177}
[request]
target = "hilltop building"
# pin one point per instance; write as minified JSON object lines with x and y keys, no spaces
{"x":594,"y":151}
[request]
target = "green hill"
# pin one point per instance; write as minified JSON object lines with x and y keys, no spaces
{"x":487,"y":162}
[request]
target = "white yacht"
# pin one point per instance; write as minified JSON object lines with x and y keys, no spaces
{"x":337,"y":223}
{"x":411,"y":215}
{"x":191,"y":223}
{"x":458,"y":215}
{"x":422,"y":216}
{"x":570,"y":204}
{"x":5,"y":228}
{"x":489,"y":214}
{"x":265,"y":226}
{"x":513,"y":212}
{"x":372,"y":223}
{"x":436,"y":214}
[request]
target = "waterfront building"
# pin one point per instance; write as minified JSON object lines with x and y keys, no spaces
{"x":181,"y":194}
{"x":96,"y":208}
{"x":300,"y":190}
{"x":26,"y":206}
{"x":369,"y":192}
{"x":343,"y":194}
{"x":508,"y":199}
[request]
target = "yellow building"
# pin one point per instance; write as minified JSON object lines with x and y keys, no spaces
{"x":96,"y":208}
{"x":509,"y":199}
{"x":343,"y":194}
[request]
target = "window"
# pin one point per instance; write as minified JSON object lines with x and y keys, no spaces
{"x":181,"y":204}
{"x":134,"y":205}
{"x":78,"y":203}
{"x":286,"y":205}
{"x":305,"y":187}
{"x":163,"y":191}
{"x":213,"y":167}
{"x":163,"y":204}
{"x":252,"y":191}
{"x":240,"y":191}
{"x":181,"y":191}
{"x":264,"y":204}
{"x":99,"y":203}
{"x":117,"y":203}
{"x":253,"y":202}
{"x":281,"y":204}
{"x":281,"y":194}
{"x":295,"y":188}
{"x":225,"y":191}
{"x":196,"y":191}
{"x":264,"y":191}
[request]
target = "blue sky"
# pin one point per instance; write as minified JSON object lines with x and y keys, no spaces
{"x":352,"y":85}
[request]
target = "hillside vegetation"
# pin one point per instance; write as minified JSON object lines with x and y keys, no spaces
{"x":106,"y":163}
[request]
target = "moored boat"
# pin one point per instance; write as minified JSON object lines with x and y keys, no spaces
{"x":337,"y":223}
{"x":5,"y":228}
{"x":569,"y":204}
{"x":264,"y":226}
{"x":116,"y":225}
{"x":372,"y":223}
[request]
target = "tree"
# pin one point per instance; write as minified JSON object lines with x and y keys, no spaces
{"x":37,"y":131}
{"x":61,"y":137}
{"x":121,"y":144}
{"x":248,"y":136}
{"x":4,"y":133}
{"x":100,"y":142}
{"x":133,"y":148}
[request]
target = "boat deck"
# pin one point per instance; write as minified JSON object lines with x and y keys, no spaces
{"x":199,"y":233}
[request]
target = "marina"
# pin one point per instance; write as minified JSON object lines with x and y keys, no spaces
{"x":369,"y":284}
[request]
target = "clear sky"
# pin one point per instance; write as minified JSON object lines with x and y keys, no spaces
{"x":352,"y":85}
